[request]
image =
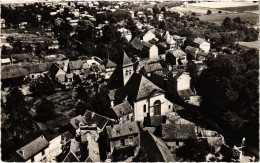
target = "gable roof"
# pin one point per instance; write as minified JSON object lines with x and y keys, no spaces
{"x":152,"y":67}
{"x":109,"y":64}
{"x":137,"y":43}
{"x":138,"y":87}
{"x":155,"y":149}
{"x":177,"y":53}
{"x":75,"y":65}
{"x":178,"y":131}
{"x":199,"y":40}
{"x":99,"y":120}
{"x":191,"y":49}
{"x":76,"y":120}
{"x":33,"y":148}
{"x":122,"y":129}
{"x":39,"y":67}
{"x":126,"y":60}
{"x":122,"y":109}
{"x":148,"y":45}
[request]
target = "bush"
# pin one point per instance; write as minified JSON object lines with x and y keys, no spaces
{"x":209,"y":12}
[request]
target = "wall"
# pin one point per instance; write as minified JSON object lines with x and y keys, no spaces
{"x":183,"y":82}
{"x":115,"y":143}
{"x":153,"y":52}
{"x":130,"y":71}
{"x":205,"y":46}
{"x":138,"y":107}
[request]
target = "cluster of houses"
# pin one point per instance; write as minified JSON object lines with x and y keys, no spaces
{"x":143,"y":124}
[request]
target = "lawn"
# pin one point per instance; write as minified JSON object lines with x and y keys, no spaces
{"x":218,"y":18}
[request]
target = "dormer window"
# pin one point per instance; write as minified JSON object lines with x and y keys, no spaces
{"x":130,"y":129}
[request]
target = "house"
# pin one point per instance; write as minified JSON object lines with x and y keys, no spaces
{"x":146,"y":98}
{"x":149,"y":36}
{"x":6,"y":61}
{"x":132,"y":14}
{"x":75,"y":67}
{"x":123,"y":112}
{"x":122,"y":73}
{"x":14,"y":71}
{"x":22,"y":25}
{"x":39,"y":69}
{"x":56,"y":145}
{"x":110,"y":68}
{"x":75,"y":122}
{"x":151,"y":68}
{"x":153,"y":49}
{"x":180,"y":40}
{"x":169,"y":40}
{"x":57,"y":73}
{"x":35,"y":151}
{"x":192,"y":52}
{"x":175,"y":135}
{"x":176,"y":57}
{"x":179,"y":84}
{"x":125,"y":33}
{"x":83,"y":148}
{"x":154,"y":149}
{"x":159,"y":17}
{"x":202,"y":44}
{"x":122,"y":140}
{"x":100,"y":121}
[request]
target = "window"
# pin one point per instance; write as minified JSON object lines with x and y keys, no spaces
{"x":117,"y":132}
{"x":144,"y":108}
{"x":43,"y":152}
{"x":126,"y":72}
{"x":169,"y":106}
{"x":131,"y":139}
{"x":129,"y":72}
{"x":127,"y":117}
{"x":177,"y":143}
{"x":32,"y":159}
{"x":130,"y":129}
{"x":122,"y":142}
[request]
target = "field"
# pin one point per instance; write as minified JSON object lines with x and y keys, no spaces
{"x":241,"y":9}
{"x":218,"y":18}
{"x":254,"y":44}
{"x":223,"y":4}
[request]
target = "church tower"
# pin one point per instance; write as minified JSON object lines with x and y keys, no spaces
{"x":128,"y":68}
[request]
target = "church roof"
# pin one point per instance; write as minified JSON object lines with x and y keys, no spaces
{"x":109,"y":64}
{"x":138,"y":87}
{"x":126,"y":60}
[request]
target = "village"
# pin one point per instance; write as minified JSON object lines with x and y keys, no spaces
{"x":110,"y":82}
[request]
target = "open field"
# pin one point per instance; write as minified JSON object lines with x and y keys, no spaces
{"x":254,"y":44}
{"x":218,"y":18}
{"x":242,"y":9}
{"x":222,"y":4}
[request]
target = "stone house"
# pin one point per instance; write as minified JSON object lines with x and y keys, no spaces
{"x":202,"y":44}
{"x":122,"y":140}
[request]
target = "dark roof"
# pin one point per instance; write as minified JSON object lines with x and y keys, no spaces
{"x":177,"y":53}
{"x":152,"y":67}
{"x":185,"y":93}
{"x":54,"y":69}
{"x":76,"y":120}
{"x":201,"y":53}
{"x":178,"y":131}
{"x":13,"y":71}
{"x":122,"y":109}
{"x":75,"y":65}
{"x":109,"y":64}
{"x":122,"y":129}
{"x":155,"y":149}
{"x":99,"y":120}
{"x":148,"y":45}
{"x":39,"y":67}
{"x":126,"y":60}
{"x":33,"y":148}
{"x":137,"y":43}
{"x":191,"y":49}
{"x":138,"y":87}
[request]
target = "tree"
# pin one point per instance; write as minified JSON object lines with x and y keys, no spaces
{"x":43,"y":86}
{"x":209,"y":12}
{"x":45,"y":111}
{"x":156,"y":9}
{"x":194,"y":150}
{"x":237,"y":20}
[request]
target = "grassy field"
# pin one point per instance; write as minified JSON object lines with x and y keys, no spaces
{"x":218,"y":18}
{"x":241,"y":9}
{"x":254,"y":44}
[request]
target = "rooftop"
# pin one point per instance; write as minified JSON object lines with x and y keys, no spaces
{"x":122,"y":129}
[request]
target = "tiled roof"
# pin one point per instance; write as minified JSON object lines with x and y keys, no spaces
{"x":122,"y":109}
{"x":76,"y":120}
{"x":148,"y":45}
{"x":109,"y":64}
{"x":152,"y":67}
{"x":191,"y":49}
{"x":177,"y":53}
{"x":75,"y":65}
{"x":185,"y":93}
{"x":126,"y":60}
{"x":151,"y":144}
{"x":13,"y":71}
{"x":33,"y":148}
{"x":137,"y":43}
{"x":39,"y":67}
{"x":178,"y":131}
{"x":138,"y":87}
{"x":122,"y":129}
{"x":100,"y":121}
{"x":199,"y":40}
